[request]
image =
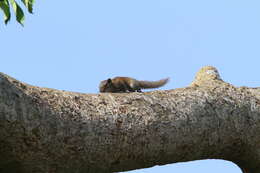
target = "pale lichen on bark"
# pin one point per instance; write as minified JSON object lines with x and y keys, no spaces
{"x":47,"y":130}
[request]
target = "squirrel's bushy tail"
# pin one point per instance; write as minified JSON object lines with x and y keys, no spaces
{"x":153,"y":84}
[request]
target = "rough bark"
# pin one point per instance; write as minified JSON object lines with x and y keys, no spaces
{"x":46,"y":130}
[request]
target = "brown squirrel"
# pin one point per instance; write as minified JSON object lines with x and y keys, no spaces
{"x":127,"y":84}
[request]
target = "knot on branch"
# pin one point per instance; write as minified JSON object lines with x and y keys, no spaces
{"x":207,"y":76}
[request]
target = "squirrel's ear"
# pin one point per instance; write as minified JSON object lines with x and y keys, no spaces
{"x":109,"y":80}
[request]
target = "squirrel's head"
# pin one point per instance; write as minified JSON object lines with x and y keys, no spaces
{"x":106,"y":86}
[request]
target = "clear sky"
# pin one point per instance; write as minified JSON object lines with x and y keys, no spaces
{"x":73,"y":45}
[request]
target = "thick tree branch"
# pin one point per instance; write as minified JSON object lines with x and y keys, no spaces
{"x":46,"y":130}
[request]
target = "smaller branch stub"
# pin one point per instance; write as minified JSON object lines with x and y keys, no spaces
{"x":207,"y":75}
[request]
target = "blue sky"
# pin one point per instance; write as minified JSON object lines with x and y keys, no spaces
{"x":72,"y":46}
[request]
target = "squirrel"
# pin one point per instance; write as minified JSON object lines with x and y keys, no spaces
{"x":127,"y":84}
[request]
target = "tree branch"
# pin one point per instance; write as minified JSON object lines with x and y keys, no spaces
{"x":47,"y":130}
